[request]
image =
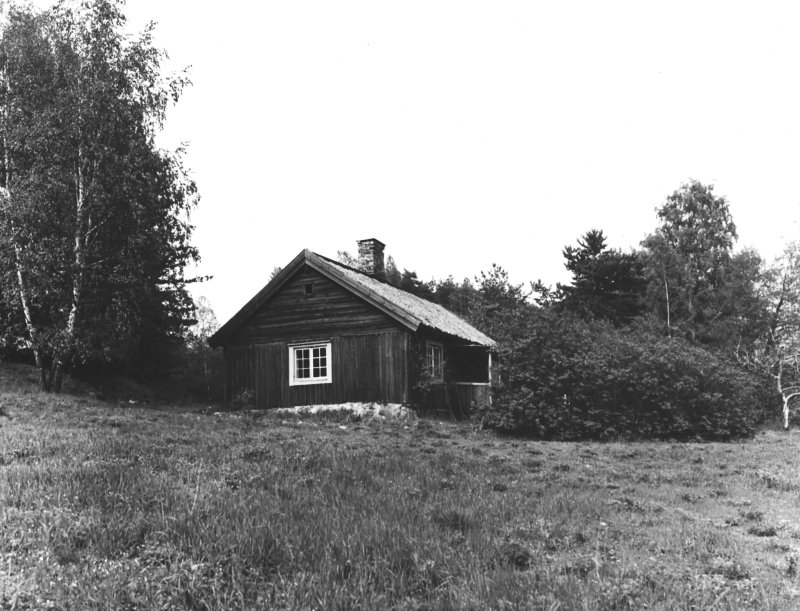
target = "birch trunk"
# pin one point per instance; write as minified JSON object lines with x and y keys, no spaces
{"x":786,"y":399}
{"x":785,"y":414}
{"x":79,"y":244}
{"x":33,"y":343}
{"x":666,"y":292}
{"x":787,"y":393}
{"x":22,"y":288}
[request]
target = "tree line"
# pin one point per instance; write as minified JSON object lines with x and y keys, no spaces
{"x":683,"y":337}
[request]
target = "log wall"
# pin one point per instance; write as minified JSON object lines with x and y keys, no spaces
{"x":365,"y":367}
{"x":293,"y":315}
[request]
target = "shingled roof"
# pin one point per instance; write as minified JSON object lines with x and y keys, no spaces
{"x":408,"y":309}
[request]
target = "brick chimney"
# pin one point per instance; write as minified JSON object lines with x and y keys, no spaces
{"x":370,"y":257}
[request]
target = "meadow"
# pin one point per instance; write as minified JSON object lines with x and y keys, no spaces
{"x":119,"y":506}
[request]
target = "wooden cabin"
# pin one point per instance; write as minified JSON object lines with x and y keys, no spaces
{"x":322,"y":332}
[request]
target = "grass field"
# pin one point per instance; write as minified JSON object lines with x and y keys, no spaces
{"x":123,"y":507}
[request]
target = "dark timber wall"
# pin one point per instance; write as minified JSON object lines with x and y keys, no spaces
{"x":369,"y":349}
{"x":369,"y":367}
{"x":291,"y":315}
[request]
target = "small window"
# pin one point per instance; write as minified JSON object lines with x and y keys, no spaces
{"x":310,"y":364}
{"x":308,"y":289}
{"x":435,"y":361}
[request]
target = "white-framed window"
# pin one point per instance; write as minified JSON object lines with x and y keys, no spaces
{"x":435,"y":360}
{"x":310,"y":363}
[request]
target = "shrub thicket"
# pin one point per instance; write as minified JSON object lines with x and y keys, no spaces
{"x":576,"y":379}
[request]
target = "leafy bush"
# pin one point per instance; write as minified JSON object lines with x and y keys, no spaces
{"x":201,"y":371}
{"x":573,"y":379}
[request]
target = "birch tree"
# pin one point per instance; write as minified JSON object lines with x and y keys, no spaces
{"x":777,"y":353}
{"x":688,"y":258}
{"x":99,"y":233}
{"x":25,"y":73}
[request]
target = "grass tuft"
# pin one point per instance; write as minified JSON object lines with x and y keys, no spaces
{"x":451,"y":519}
{"x":515,"y":555}
{"x":762,"y":531}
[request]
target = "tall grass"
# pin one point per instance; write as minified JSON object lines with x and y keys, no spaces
{"x":106,"y":508}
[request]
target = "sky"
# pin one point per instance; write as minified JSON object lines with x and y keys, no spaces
{"x":463,"y":134}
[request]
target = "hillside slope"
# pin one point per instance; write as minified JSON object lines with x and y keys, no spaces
{"x":111,"y":507}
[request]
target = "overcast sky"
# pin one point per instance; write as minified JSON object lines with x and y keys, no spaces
{"x":463,"y":134}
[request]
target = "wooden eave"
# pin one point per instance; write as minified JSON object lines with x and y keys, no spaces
{"x":445,"y":336}
{"x":327,"y":269}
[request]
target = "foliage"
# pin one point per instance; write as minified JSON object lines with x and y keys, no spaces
{"x":606,"y":283}
{"x":201,"y":372}
{"x":572,"y":379}
{"x":408,"y":281}
{"x":458,"y":298}
{"x":95,"y":231}
{"x":392,"y":273}
{"x":499,"y":308}
{"x":426,"y":394}
{"x":698,"y":225}
{"x":689,"y":261}
{"x":345,"y":258}
{"x":741,"y":307}
{"x":781,"y":287}
{"x":776,"y":350}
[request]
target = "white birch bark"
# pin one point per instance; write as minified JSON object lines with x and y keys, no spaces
{"x":787,"y":393}
{"x":6,"y":193}
{"x":79,"y":258}
{"x":666,"y":294}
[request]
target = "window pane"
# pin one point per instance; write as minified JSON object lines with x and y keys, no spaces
{"x":302,"y":363}
{"x":434,"y":358}
{"x":320,"y":358}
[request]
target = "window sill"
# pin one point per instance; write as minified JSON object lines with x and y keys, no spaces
{"x":309,"y":382}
